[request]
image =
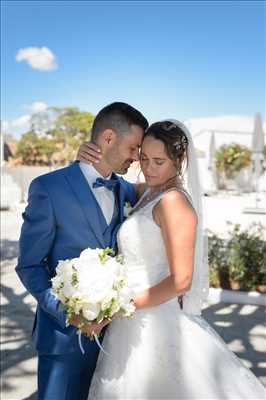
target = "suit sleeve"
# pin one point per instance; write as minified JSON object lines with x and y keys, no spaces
{"x":36,"y":240}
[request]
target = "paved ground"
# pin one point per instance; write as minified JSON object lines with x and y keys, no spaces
{"x":241,"y":326}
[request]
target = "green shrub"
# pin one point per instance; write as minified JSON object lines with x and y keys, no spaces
{"x":240,"y":261}
{"x":218,"y":264}
{"x":232,"y":158}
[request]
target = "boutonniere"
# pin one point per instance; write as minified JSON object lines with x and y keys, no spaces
{"x":127,"y":209}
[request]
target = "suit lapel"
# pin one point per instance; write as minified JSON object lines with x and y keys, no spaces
{"x":86,"y":199}
{"x":120,"y":198}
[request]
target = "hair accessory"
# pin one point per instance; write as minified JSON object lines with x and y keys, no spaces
{"x":181,"y":144}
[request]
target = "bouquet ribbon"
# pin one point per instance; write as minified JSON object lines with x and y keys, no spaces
{"x":96,"y":340}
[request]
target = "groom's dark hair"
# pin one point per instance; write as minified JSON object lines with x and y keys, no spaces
{"x":119,"y":117}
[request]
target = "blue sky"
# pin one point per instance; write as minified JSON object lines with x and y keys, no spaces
{"x":179,"y":59}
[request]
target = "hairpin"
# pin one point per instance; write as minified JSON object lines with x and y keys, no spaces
{"x":181,"y":144}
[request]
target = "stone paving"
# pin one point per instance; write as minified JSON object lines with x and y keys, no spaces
{"x":241,"y":326}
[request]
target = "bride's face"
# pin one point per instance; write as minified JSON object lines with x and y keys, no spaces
{"x":155,"y":163}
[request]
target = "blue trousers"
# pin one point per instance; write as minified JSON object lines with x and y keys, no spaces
{"x":67,"y":376}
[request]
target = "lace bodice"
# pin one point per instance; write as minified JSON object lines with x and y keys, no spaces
{"x":163,"y":352}
{"x":141,"y":243}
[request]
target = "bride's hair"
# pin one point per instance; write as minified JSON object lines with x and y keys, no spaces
{"x":174,"y":140}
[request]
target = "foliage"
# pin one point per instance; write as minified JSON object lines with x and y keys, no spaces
{"x":232,"y":158}
{"x":239,"y":262}
{"x":35,"y":150}
{"x":74,"y":123}
{"x":264,"y":151}
{"x":55,"y":136}
{"x":218,"y":263}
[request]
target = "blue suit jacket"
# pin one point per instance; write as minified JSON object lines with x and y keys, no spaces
{"x":61,"y":220}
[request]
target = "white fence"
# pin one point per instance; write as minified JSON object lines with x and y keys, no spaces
{"x":16,"y":180}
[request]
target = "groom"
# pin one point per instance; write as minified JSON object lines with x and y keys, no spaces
{"x":69,"y":210}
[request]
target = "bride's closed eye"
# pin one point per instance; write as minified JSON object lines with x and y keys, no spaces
{"x":157,"y":161}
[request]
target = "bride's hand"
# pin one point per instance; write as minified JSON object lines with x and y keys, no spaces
{"x":89,"y":153}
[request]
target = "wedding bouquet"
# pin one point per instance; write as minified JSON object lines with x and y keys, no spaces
{"x":93,"y":286}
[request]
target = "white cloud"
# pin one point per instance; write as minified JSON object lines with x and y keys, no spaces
{"x":21,"y":124}
{"x":17,"y":126}
{"x":4,"y":127}
{"x":36,"y":107}
{"x":40,"y":58}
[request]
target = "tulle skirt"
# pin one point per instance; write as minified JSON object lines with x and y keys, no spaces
{"x":163,"y":353}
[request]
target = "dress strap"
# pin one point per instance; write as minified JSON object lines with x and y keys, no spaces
{"x":145,"y":205}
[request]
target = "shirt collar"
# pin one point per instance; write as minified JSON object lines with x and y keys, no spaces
{"x":91,"y":173}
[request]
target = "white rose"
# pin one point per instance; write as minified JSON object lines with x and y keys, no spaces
{"x":90,"y":255}
{"x":114,"y":266}
{"x":96,"y":285}
{"x":63,"y":266}
{"x":57,"y":282}
{"x":91,"y":311}
{"x":82,"y":263}
{"x":64,"y":270}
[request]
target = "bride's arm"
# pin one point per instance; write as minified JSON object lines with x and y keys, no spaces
{"x":178,"y":223}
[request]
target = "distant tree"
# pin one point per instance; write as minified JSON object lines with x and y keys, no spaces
{"x":71,"y":128}
{"x":55,"y":136}
{"x":44,"y":121}
{"x":74,"y":123}
{"x":35,"y":150}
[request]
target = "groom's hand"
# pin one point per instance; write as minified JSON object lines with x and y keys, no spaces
{"x":89,"y":153}
{"x":88,"y":329}
{"x":75,"y":320}
{"x":94,"y":328}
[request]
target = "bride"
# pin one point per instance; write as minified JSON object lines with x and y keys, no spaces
{"x":167,"y":350}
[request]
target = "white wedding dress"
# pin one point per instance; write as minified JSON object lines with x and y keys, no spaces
{"x":162,"y":352}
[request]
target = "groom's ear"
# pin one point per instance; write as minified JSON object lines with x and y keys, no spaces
{"x":109,"y":136}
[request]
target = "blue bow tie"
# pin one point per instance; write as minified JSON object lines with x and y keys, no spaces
{"x":109,"y":184}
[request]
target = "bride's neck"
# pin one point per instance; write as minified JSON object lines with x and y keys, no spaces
{"x":166,"y":185}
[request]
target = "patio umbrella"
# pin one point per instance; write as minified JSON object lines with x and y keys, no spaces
{"x":258,"y":162}
{"x":257,"y":148}
{"x":211,"y":164}
{"x":212,"y":150}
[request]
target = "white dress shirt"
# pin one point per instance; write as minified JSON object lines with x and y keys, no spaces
{"x":104,"y":196}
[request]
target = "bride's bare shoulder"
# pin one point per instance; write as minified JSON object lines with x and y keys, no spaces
{"x":174,"y":204}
